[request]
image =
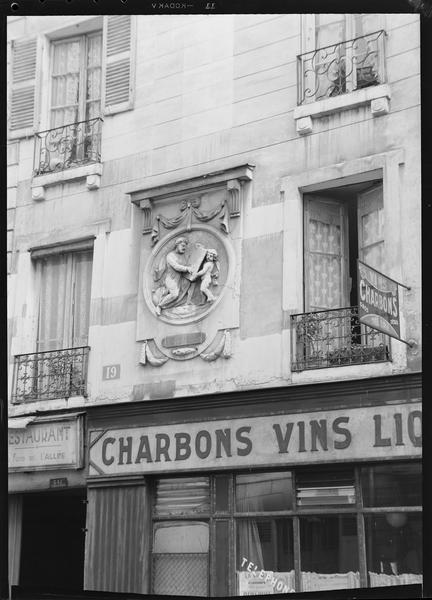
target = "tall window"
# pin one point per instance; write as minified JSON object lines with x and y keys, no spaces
{"x":64,"y":300}
{"x":341,"y":225}
{"x":349,"y":66}
{"x":76,"y":79}
{"x":75,"y":74}
{"x":342,"y":53}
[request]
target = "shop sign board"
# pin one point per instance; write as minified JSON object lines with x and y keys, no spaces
{"x":46,"y":444}
{"x":378,"y":301}
{"x":367,"y":433}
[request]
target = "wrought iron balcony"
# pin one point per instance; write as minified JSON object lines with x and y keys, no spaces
{"x":68,"y":146}
{"x":50,"y":375}
{"x":341,"y":68}
{"x":335,"y":338}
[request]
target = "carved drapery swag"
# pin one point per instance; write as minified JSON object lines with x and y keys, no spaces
{"x":189,"y":209}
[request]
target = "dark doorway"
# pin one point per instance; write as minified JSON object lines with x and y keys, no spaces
{"x":52,"y":554}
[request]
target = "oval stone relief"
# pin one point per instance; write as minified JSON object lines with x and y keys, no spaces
{"x":186,"y":275}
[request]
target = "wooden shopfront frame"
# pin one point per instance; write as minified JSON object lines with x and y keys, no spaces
{"x":216,"y":586}
{"x":396,"y":391}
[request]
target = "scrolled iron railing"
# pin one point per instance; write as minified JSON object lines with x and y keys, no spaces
{"x":50,"y":375}
{"x":341,"y":68}
{"x":335,"y":338}
{"x":68,"y":146}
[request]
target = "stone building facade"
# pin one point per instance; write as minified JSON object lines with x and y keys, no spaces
{"x":188,"y":200}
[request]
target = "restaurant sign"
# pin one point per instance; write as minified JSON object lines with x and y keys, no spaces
{"x":378,"y":301}
{"x":368,"y":433}
{"x":44,"y":443}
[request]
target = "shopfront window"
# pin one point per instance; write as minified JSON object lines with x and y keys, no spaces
{"x":329,"y":553}
{"x":393,"y":538}
{"x":306,"y":529}
{"x":267,"y":544}
{"x":180,"y":552}
{"x":180,"y":558}
{"x":394,"y":548}
{"x":263,"y":492}
{"x":392,"y":485}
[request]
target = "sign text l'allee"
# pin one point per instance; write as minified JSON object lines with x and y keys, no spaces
{"x":351,"y":434}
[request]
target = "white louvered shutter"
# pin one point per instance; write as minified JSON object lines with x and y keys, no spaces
{"x":23,"y":87}
{"x":119,"y":55}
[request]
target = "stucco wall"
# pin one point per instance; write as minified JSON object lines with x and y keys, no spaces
{"x":213,"y":92}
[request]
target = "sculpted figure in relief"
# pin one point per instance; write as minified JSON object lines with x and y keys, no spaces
{"x":177,"y":277}
{"x":175,"y":285}
{"x":208,"y":274}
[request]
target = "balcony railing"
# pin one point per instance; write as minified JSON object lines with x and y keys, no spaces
{"x":335,"y":338}
{"x":50,"y":375}
{"x":68,"y":146}
{"x":341,"y":68}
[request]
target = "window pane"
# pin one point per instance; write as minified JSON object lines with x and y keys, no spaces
{"x":183,"y":495}
{"x":55,"y":302}
{"x":324,"y":488}
{"x":330,"y":29}
{"x":222,"y":557}
{"x":222,"y":492}
{"x":325,"y":253}
{"x":66,"y":57}
{"x":93,"y":84}
{"x":93,"y":110}
{"x":329,"y":553}
{"x":181,"y":537}
{"x":81,"y":306}
{"x":264,"y":492}
{"x":268,"y":545}
{"x":94,"y":50}
{"x":392,"y":485}
{"x":180,"y":558}
{"x":394,"y":548}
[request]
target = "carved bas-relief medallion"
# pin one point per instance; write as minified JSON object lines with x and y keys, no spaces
{"x":186,"y":275}
{"x":191,"y":256}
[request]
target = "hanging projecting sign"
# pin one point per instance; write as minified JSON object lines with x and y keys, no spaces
{"x":378,"y":301}
{"x":368,"y":433}
{"x":45,"y":443}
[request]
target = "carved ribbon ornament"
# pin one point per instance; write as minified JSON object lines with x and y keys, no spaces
{"x":189,"y":209}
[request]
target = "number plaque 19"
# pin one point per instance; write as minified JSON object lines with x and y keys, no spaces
{"x":111,"y":372}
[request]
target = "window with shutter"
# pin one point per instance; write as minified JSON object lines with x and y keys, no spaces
{"x":119,"y":57}
{"x":73,"y":134}
{"x":22,"y":87}
{"x":76,"y":79}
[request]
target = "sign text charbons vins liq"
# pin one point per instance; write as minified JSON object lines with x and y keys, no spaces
{"x":361,"y":433}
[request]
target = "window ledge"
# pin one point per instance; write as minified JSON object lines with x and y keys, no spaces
{"x":92,"y":173}
{"x":377,"y":96}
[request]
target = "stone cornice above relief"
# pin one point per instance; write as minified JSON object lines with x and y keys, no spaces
{"x":189,"y":210}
